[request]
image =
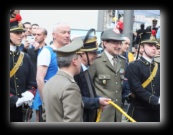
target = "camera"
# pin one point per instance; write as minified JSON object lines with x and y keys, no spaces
{"x":30,"y":39}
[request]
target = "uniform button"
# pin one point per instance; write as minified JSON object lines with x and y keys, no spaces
{"x":116,"y":91}
{"x":116,"y":99}
{"x":116,"y":82}
{"x":16,"y":78}
{"x":17,"y":85}
{"x":104,"y":77}
{"x":154,"y":92}
{"x":116,"y":74}
{"x":153,"y":85}
{"x":18,"y":94}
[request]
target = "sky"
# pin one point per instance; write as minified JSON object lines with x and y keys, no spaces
{"x":77,"y":19}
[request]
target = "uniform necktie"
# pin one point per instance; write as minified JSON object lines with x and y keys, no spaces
{"x":115,"y":62}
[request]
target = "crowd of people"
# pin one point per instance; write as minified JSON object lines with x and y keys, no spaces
{"x":69,"y":80}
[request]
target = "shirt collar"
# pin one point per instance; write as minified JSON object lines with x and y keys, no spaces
{"x":12,"y":48}
{"x":110,"y":57}
{"x":84,"y":67}
{"x":148,"y":59}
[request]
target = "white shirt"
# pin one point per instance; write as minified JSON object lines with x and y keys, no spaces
{"x":44,"y":57}
{"x":148,"y":59}
{"x":12,"y":48}
{"x":84,"y":67}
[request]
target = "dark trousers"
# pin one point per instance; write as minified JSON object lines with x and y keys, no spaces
{"x":141,"y":114}
{"x":16,"y":114}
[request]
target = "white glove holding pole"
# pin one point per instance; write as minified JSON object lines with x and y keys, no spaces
{"x":19,"y":102}
{"x":28,"y":96}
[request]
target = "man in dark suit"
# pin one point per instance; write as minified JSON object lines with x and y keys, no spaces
{"x":92,"y":102}
{"x":153,"y":27}
{"x":139,"y":32}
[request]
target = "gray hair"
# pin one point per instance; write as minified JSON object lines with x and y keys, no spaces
{"x":43,"y":30}
{"x":66,"y":61}
{"x":57,"y":25}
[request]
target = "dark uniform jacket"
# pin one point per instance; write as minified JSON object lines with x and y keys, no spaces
{"x":33,"y":55}
{"x":145,"y":98}
{"x":22,"y":80}
{"x":149,"y":28}
{"x":91,"y":101}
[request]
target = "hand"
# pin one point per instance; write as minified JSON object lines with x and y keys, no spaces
{"x":29,"y":103}
{"x":28,"y":96}
{"x":19,"y":102}
{"x":104,"y":101}
{"x":36,"y":45}
{"x":26,"y":44}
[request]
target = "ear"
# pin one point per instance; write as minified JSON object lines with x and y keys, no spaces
{"x":75,"y":61}
{"x":53,"y":35}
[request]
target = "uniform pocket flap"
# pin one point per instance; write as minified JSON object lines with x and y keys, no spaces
{"x":104,"y":76}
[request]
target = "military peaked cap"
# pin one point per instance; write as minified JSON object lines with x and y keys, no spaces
{"x":110,"y":34}
{"x":89,"y":42}
{"x":70,"y":48}
{"x":15,"y":24}
{"x":147,"y":37}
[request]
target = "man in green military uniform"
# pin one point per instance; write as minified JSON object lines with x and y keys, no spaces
{"x":107,"y":73}
{"x":61,"y":95}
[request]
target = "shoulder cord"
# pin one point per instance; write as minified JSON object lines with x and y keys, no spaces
{"x":16,"y":67}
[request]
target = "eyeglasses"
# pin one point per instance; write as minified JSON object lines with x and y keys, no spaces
{"x":126,"y":43}
{"x":115,"y":42}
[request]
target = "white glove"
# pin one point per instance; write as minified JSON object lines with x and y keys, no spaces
{"x":29,"y":103}
{"x":19,"y":102}
{"x":28,"y":96}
